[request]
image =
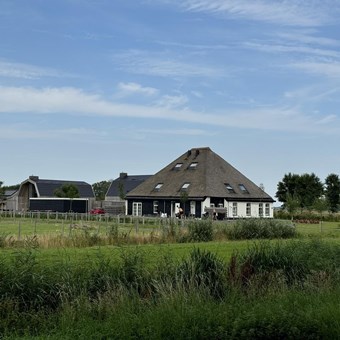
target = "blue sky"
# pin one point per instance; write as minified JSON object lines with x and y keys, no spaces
{"x":91,"y":88}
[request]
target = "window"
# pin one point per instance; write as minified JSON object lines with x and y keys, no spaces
{"x":155,"y":207}
{"x":192,"y":207}
{"x":229,"y":188}
{"x":248,"y":209}
{"x":185,"y":186}
{"x":260,"y":209}
{"x":267,"y":209}
{"x":137,"y":209}
{"x":193,"y":165}
{"x":158,"y":186}
{"x":234,"y":209}
{"x":243,"y":189}
{"x":178,"y":166}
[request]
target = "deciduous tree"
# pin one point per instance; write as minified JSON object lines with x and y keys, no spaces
{"x":332,"y":192}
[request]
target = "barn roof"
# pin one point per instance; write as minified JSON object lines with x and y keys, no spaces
{"x":126,"y":182}
{"x":47,"y":187}
{"x":200,"y":173}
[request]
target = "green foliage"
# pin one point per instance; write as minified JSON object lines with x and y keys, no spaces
{"x":200,"y":231}
{"x":306,"y":188}
{"x":271,"y":290}
{"x":332,"y":192}
{"x":68,"y":191}
{"x":260,"y":229}
{"x":205,"y":270}
{"x":121,"y":190}
{"x":100,"y":189}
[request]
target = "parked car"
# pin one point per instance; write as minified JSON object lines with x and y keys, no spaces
{"x":97,"y":211}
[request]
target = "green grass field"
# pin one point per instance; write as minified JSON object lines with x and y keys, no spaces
{"x":60,"y":280}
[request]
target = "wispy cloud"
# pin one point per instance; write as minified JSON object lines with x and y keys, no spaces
{"x":179,"y":132}
{"x":280,"y":48}
{"x":172,"y":101}
{"x":27,"y":71}
{"x":21,"y":131}
{"x":330,"y":69}
{"x":134,"y":88}
{"x":162,"y":65}
{"x":66,"y":100}
{"x":285,"y":12}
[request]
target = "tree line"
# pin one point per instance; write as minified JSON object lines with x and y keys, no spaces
{"x":307,"y":191}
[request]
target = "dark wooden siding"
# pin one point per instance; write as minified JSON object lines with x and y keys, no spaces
{"x":79,"y":206}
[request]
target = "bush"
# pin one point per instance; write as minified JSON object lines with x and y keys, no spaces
{"x":294,"y":262}
{"x":200,"y":231}
{"x":260,"y":229}
{"x":204,"y":270}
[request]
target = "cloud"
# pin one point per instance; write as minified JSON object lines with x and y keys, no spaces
{"x":285,"y":12}
{"x":277,"y":48}
{"x":26,"y":71}
{"x":77,"y":102}
{"x":134,"y":88}
{"x":172,"y":101}
{"x":162,"y":65}
{"x":183,"y":132}
{"x":330,"y":69}
{"x":24,"y":131}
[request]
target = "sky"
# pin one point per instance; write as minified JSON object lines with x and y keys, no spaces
{"x":92,"y":88}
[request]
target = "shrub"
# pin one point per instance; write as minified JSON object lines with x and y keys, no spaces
{"x":260,"y":229}
{"x":200,"y":231}
{"x":203,"y":270}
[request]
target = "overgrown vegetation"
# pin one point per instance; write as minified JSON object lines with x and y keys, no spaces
{"x":272,"y":290}
{"x":260,"y":229}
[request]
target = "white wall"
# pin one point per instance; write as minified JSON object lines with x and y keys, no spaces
{"x":242,"y":207}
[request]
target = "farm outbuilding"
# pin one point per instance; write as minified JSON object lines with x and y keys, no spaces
{"x":44,"y":189}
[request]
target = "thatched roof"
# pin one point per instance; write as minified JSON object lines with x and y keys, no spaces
{"x":205,"y":174}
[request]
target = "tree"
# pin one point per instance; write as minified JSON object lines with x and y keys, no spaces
{"x":100,"y":189}
{"x":332,"y":192}
{"x":292,"y":204}
{"x":288,"y":186}
{"x":306,"y":188}
{"x":321,"y":205}
{"x":69,"y":191}
{"x":310,"y":188}
{"x":121,"y":190}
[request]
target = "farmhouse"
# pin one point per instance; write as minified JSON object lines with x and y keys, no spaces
{"x":38,"y":194}
{"x":115,"y":197}
{"x":199,"y":183}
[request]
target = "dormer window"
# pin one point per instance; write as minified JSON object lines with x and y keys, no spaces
{"x":229,"y":188}
{"x":158,"y":186}
{"x":243,"y":189}
{"x":178,"y":166}
{"x":193,"y":165}
{"x":185,"y":186}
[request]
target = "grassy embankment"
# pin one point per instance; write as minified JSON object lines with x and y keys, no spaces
{"x":218,"y":289}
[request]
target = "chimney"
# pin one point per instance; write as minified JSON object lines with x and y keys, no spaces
{"x":123,"y":175}
{"x":33,"y":178}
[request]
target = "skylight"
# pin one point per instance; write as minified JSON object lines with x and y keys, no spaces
{"x":185,"y":186}
{"x":158,"y":186}
{"x":243,"y":188}
{"x":229,"y":188}
{"x":178,"y":166}
{"x":193,"y":165}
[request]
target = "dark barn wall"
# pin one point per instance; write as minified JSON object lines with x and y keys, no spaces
{"x":79,"y":206}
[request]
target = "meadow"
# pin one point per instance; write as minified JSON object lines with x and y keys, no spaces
{"x":106,"y":278}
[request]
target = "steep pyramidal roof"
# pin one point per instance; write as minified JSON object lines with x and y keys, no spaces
{"x":201,"y":173}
